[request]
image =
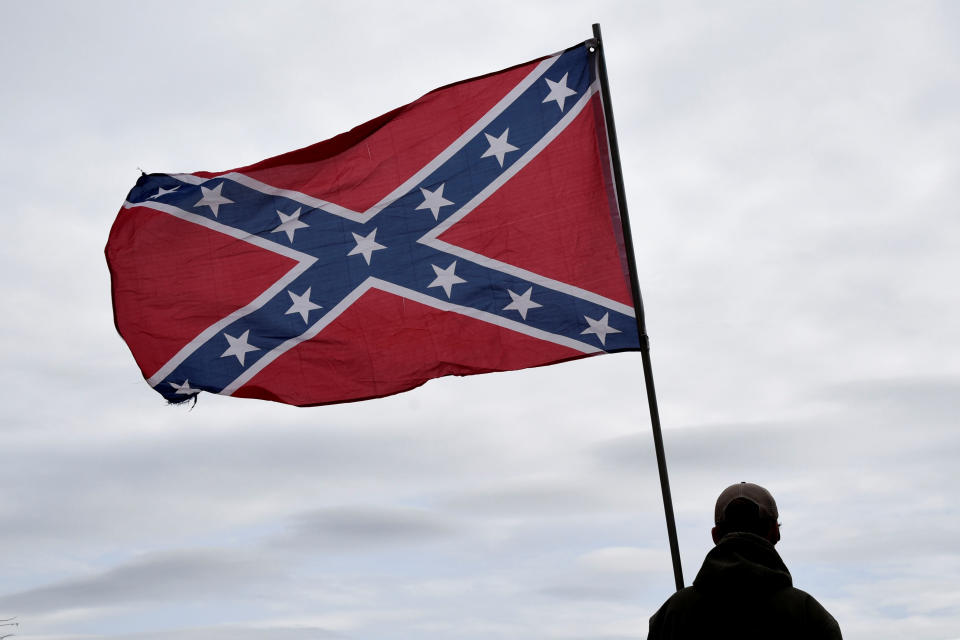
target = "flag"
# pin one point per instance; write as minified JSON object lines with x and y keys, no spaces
{"x":473,"y":230}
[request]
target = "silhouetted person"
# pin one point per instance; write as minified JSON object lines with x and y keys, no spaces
{"x":743,"y":590}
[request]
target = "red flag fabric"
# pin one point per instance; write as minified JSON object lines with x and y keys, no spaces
{"x":473,"y":230}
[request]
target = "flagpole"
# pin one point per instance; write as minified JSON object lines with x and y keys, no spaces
{"x":638,"y":306}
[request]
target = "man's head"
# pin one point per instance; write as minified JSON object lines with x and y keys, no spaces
{"x":749,"y":508}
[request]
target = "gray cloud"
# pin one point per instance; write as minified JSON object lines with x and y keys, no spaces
{"x":925,"y":401}
{"x":152,"y":578}
{"x":541,"y":499}
{"x":261,"y":471}
{"x":583,"y":593}
{"x":231,"y":633}
{"x":360,"y":528}
{"x":881,"y":418}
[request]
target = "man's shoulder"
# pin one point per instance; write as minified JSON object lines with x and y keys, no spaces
{"x":683,"y":598}
{"x":692,"y":612}
{"x":675,"y":612}
{"x":815,"y":612}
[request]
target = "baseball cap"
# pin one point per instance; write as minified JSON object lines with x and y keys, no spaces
{"x":749,"y":491}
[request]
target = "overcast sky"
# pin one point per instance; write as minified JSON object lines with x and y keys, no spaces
{"x":792,"y":172}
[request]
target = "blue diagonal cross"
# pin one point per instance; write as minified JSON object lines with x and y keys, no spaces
{"x":392,"y":247}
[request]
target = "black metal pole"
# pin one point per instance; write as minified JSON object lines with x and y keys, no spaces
{"x":638,"y":306}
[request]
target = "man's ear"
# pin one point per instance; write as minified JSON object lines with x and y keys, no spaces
{"x":716,"y":535}
{"x":774,"y":535}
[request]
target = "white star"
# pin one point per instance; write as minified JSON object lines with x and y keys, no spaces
{"x":301,"y":304}
{"x":446,"y":278}
{"x":499,"y":147}
{"x":599,"y":327}
{"x":366,"y":245}
{"x":162,"y":192}
{"x":559,"y":92}
{"x":522,"y":303}
{"x":184,"y":389}
{"x":433,"y":200}
{"x":239,"y":346}
{"x":290,"y":223}
{"x":212,"y":198}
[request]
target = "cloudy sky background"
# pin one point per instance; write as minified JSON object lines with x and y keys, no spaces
{"x":793,"y":178}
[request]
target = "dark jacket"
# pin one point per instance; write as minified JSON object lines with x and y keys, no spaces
{"x":743,"y":591}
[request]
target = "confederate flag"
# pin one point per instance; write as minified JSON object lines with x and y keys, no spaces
{"x":473,"y":230}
